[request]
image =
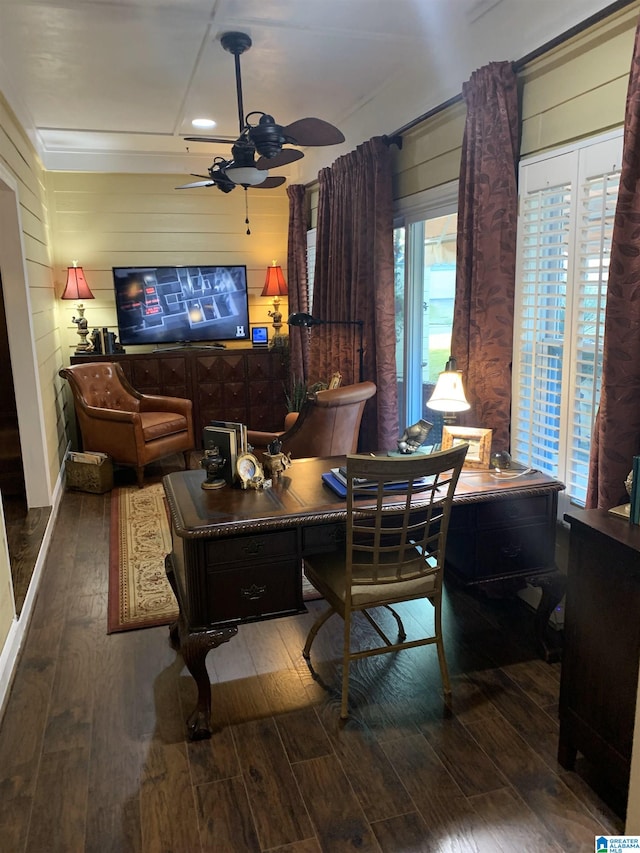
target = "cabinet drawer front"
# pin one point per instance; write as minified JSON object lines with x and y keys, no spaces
{"x":321,"y":538}
{"x":250,"y":549}
{"x":515,"y":551}
{"x":251,"y":592}
{"x":518,"y":511}
{"x":485,"y":555}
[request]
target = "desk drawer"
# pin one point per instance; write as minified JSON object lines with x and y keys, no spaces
{"x":255,"y":592}
{"x":487,"y":555}
{"x":529,"y":510}
{"x":250,"y":549}
{"x":321,"y":538}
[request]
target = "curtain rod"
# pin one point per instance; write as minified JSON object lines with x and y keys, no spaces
{"x":519,"y":64}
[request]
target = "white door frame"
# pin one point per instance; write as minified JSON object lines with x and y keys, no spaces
{"x":24,"y":361}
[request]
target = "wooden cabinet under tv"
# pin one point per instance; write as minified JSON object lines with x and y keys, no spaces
{"x":242,"y":385}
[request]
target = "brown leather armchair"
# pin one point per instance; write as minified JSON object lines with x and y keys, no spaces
{"x":328,"y":424}
{"x":132,"y":428}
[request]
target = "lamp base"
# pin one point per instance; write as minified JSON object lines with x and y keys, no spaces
{"x":279,"y":341}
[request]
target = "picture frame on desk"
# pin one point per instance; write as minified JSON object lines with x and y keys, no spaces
{"x":479,"y":441}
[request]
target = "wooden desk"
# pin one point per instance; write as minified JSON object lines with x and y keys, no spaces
{"x":236,"y":555}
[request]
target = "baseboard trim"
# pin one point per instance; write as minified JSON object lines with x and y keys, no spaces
{"x":10,"y":653}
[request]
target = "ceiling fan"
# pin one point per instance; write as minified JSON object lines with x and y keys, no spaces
{"x":263,"y":137}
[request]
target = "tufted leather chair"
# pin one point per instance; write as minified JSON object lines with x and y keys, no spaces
{"x":132,"y":428}
{"x":328,"y":424}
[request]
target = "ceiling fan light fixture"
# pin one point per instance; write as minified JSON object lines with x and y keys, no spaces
{"x":246,"y":176}
{"x":203,"y":122}
{"x":267,"y":136}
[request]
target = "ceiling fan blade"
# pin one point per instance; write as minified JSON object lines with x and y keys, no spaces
{"x":286,"y":156}
{"x":270,"y":183}
{"x":208,"y":183}
{"x":215,"y":139}
{"x":312,"y":131}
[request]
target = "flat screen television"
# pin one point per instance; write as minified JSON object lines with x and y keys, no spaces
{"x":181,"y":305}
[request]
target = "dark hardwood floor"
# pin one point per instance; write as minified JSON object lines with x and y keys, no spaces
{"x":93,"y":754}
{"x":25,"y":531}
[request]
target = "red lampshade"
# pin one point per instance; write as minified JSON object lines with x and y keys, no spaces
{"x":76,"y":287}
{"x":274,"y":284}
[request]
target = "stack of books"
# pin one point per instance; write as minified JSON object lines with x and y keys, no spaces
{"x":336,"y":479}
{"x":89,"y":457}
{"x":231,"y":440}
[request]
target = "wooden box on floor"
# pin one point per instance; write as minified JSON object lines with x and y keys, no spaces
{"x":89,"y":477}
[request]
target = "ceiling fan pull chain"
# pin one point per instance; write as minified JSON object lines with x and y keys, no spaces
{"x":246,"y":211}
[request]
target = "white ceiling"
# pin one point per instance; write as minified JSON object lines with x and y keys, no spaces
{"x":113,"y":85}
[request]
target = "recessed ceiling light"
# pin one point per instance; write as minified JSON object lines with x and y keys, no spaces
{"x":203,"y":122}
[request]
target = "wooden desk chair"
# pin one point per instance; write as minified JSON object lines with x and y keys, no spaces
{"x":132,"y":428}
{"x":392,"y":553}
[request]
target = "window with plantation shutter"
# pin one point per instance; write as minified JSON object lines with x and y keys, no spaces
{"x":567,"y":205}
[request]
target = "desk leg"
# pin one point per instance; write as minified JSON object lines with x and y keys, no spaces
{"x":194,"y":647}
{"x":553,"y":587}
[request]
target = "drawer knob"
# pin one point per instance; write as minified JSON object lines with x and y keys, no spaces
{"x":253,"y":547}
{"x":511,"y":550}
{"x":253,"y":592}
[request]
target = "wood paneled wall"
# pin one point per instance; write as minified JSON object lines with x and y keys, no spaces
{"x":577,"y":89}
{"x":19,"y":161}
{"x":107,"y":220}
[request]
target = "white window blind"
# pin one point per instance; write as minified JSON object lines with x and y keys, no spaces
{"x":311,"y":264}
{"x":567,"y":204}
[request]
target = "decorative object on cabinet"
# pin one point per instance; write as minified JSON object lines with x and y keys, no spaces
{"x":274,"y":287}
{"x":260,"y":336}
{"x":479,"y":441}
{"x":104,"y":342}
{"x":77,"y":288}
{"x":448,"y":396}
{"x":132,"y":428}
{"x":306,"y":321}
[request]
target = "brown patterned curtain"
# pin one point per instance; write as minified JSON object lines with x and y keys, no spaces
{"x":482,"y":337}
{"x":354,"y":281}
{"x":616,"y":435}
{"x":298,"y":284}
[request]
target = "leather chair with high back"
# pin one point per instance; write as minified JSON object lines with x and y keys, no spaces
{"x":328,"y":424}
{"x":132,"y":428}
{"x":392,"y":553}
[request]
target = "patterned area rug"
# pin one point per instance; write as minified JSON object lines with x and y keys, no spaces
{"x":139,"y":593}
